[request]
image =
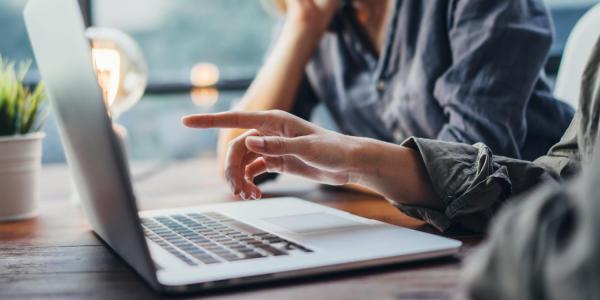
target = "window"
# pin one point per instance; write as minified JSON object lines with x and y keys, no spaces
{"x":174,"y":36}
{"x":14,"y":43}
{"x":565,"y":14}
{"x":572,"y":3}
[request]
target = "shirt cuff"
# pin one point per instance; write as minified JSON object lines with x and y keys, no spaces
{"x":465,"y":179}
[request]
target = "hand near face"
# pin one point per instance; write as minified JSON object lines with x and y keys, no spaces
{"x":311,"y":13}
{"x":279,"y":142}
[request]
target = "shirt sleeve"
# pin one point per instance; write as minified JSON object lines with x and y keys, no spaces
{"x":544,"y":245}
{"x":471,"y":183}
{"x":498,"y":51}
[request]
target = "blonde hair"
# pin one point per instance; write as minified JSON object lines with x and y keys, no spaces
{"x":275,"y":7}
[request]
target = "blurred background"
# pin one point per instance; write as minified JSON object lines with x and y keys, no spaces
{"x":178,"y":35}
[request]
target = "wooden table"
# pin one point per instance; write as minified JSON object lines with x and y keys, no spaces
{"x":57,"y":256}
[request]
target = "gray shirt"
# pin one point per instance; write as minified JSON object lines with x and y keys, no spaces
{"x":472,"y":183}
{"x":545,"y":243}
{"x":463,"y":71}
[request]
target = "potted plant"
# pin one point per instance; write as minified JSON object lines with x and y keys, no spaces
{"x":22,"y":115}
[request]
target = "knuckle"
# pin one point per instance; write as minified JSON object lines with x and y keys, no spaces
{"x":237,"y":143}
{"x":278,"y":112}
{"x":274,"y":165}
{"x":280,"y":115}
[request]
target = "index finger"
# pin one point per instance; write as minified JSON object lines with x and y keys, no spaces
{"x":241,"y":120}
{"x":268,"y":122}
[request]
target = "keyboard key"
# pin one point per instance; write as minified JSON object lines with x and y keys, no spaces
{"x":253,"y":254}
{"x":233,"y":258}
{"x":208,"y":260}
{"x":209,"y":236}
{"x":271,"y":250}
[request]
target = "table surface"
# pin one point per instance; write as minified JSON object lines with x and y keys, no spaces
{"x":56,"y":255}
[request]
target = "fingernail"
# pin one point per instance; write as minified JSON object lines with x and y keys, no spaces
{"x":255,"y":142}
{"x":253,"y":196}
{"x":186,"y":120}
{"x":243,"y":195}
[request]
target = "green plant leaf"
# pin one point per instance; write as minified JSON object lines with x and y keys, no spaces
{"x":22,"y":111}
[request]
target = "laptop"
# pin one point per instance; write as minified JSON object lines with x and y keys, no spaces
{"x":194,"y":248}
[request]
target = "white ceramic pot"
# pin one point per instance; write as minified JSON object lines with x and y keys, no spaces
{"x":20,"y":166}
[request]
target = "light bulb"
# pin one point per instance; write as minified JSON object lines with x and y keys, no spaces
{"x":120,"y":67}
{"x":107,"y":63}
{"x":204,"y":75}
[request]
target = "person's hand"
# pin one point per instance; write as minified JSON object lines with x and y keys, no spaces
{"x":282,"y":143}
{"x":315,"y":14}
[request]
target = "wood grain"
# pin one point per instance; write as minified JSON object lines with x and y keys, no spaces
{"x":56,"y":256}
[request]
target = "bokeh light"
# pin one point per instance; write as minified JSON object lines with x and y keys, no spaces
{"x":205,"y":97}
{"x":204,"y":75}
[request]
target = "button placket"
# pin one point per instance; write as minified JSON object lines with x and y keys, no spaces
{"x":380,"y":86}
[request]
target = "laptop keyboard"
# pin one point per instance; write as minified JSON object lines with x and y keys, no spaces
{"x":210,"y":238}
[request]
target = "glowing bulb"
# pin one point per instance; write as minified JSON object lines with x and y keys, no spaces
{"x":107,"y":64}
{"x":204,"y":75}
{"x":120,"y":67}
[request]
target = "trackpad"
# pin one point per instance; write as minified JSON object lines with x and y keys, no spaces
{"x":313,"y":223}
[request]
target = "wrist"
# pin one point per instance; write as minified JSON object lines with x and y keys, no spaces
{"x":393,"y":171}
{"x":304,"y":31}
{"x":377,"y":165}
{"x":364,"y":161}
{"x":313,"y":16}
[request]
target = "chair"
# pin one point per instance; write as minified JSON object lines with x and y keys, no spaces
{"x":578,"y":49}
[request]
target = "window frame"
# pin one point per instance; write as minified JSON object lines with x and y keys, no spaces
{"x":164,"y":87}
{"x":242,"y":83}
{"x":86,"y":12}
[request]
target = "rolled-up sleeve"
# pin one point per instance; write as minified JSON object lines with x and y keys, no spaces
{"x":543,"y":245}
{"x":470,"y":182}
{"x":498,"y":49}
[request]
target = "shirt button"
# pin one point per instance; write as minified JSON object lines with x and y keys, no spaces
{"x":381,"y":85}
{"x":398,"y":136}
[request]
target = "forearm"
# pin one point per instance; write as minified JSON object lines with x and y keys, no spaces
{"x":396,"y":172}
{"x":277,"y":82}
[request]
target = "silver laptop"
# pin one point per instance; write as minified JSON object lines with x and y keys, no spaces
{"x":195,"y":248}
